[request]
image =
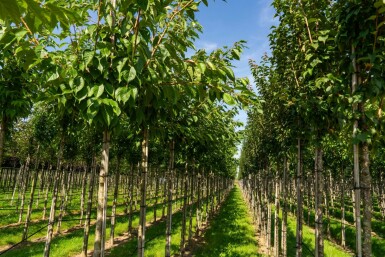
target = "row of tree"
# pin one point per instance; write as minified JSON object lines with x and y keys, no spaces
{"x":118,"y":69}
{"x":323,"y":92}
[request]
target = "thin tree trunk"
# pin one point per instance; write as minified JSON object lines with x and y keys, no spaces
{"x":319,"y":245}
{"x":184,"y":212}
{"x":17,"y":182}
{"x":190,"y":224}
{"x":268,"y":230}
{"x":89,"y":208}
{"x":50,"y":179}
{"x":356,"y":169}
{"x":366,"y":183}
{"x":143,"y":186}
{"x":156,"y":193}
{"x":51,"y":219}
{"x":116,"y":191}
{"x":25,"y":186}
{"x":169,"y":198}
{"x":131,"y":198}
{"x":62,"y":198}
{"x":284,"y":209}
{"x":343,"y":236}
{"x":83,"y":195}
{"x":276,"y":216}
{"x":164,"y":196}
{"x":198,"y":211}
{"x":2,"y":139}
{"x":28,"y":218}
{"x":100,"y":215}
{"x":299,"y":202}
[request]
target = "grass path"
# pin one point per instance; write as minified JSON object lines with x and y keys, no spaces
{"x":330,"y":249}
{"x":231,"y":232}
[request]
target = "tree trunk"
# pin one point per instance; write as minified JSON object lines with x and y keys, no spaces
{"x":83,"y":195}
{"x":284,"y":208}
{"x":268,"y":223}
{"x":319,"y":244}
{"x":164,"y":195}
{"x":50,"y":178}
{"x":25,"y":186}
{"x":116,"y":191}
{"x":198,"y":211}
{"x":89,"y":208}
{"x":156,"y":193}
{"x":190,"y":224}
{"x":169,"y":199}
{"x":184,"y":212}
{"x":356,"y":169}
{"x":51,"y":219}
{"x":131,"y":198}
{"x":100,"y":215}
{"x":62,"y":198}
{"x":28,"y":218}
{"x":276,"y":217}
{"x":2,"y":139}
{"x":143,"y":186}
{"x":299,"y":202}
{"x":343,"y":237}
{"x":366,"y":183}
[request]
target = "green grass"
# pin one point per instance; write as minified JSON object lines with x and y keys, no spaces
{"x":231,"y":232}
{"x":70,"y":244}
{"x":156,"y":239}
{"x":330,"y":249}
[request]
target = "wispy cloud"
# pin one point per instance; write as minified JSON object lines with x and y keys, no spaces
{"x":266,"y":15}
{"x":208,"y":46}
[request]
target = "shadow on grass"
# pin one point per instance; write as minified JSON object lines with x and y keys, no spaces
{"x":155,"y":240}
{"x":231,"y":232}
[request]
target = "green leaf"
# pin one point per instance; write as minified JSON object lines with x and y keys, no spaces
{"x":122,"y":94}
{"x":106,"y":114}
{"x":202,"y":67}
{"x":10,"y":8}
{"x":128,"y":76}
{"x":109,"y":20}
{"x":99,"y":91}
{"x":54,"y":76}
{"x":211,"y":65}
{"x":236,"y":54}
{"x":88,"y":56}
{"x":120,"y":65}
{"x":114,"y":105}
{"x":228,"y":99}
{"x":134,"y":92}
{"x":323,"y":39}
{"x":378,"y":3}
{"x":229,"y":73}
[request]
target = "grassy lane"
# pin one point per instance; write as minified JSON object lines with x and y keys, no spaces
{"x":330,"y":249}
{"x":231,"y":232}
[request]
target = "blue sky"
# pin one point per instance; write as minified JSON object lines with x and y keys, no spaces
{"x":227,"y":22}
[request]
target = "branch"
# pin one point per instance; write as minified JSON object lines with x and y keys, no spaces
{"x":136,"y":27}
{"x":98,"y":24}
{"x":174,"y":14}
{"x":29,"y":31}
{"x":295,"y":75}
{"x":306,"y":22}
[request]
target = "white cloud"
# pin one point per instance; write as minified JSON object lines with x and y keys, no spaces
{"x":208,"y":46}
{"x":266,"y":15}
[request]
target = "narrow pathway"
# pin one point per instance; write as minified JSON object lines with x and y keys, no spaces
{"x":231,"y":232}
